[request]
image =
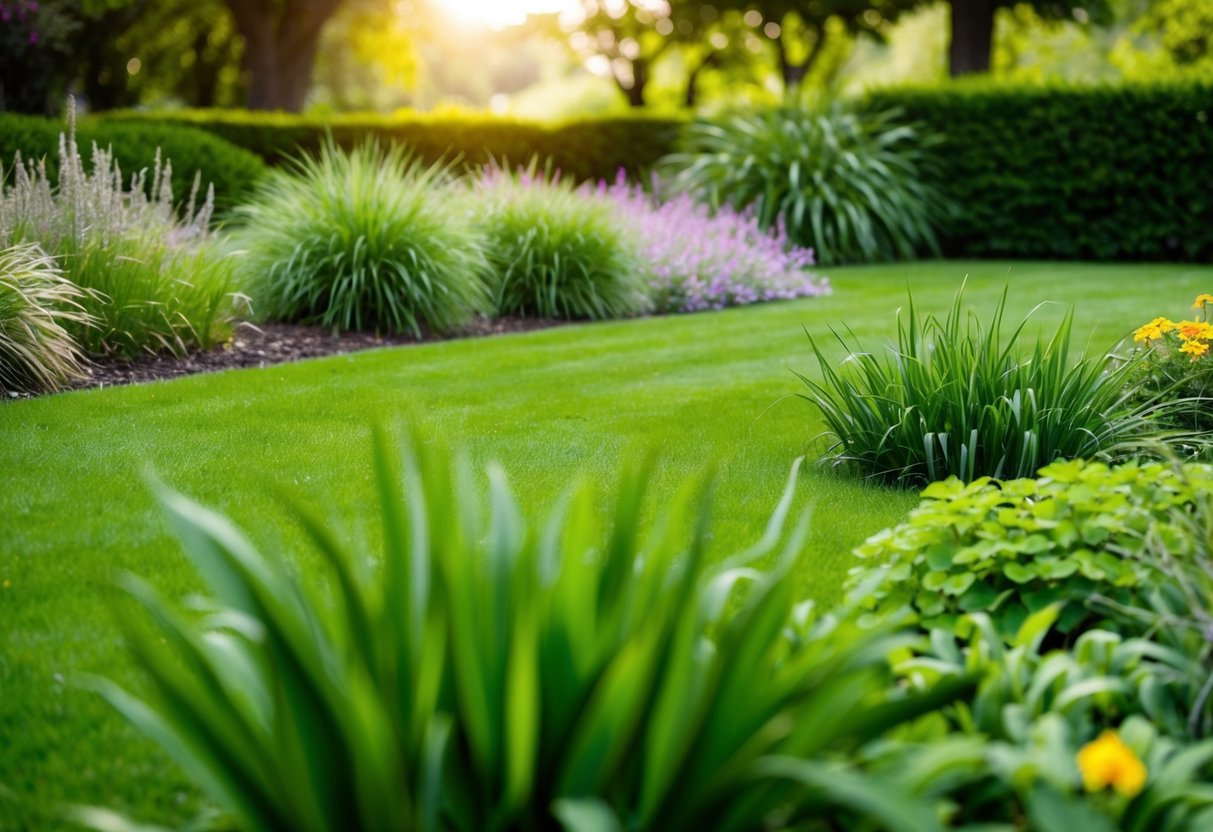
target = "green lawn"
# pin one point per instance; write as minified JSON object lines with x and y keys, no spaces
{"x":709,"y":389}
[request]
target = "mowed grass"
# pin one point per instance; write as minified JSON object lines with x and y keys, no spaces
{"x":709,"y":391}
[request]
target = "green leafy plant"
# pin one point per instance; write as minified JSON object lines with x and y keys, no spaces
{"x":1093,"y":737}
{"x":557,"y":252}
{"x":847,"y":184}
{"x":153,"y":280}
{"x":37,"y":353}
{"x":956,"y":397}
{"x":1080,"y":530}
{"x":361,"y":240}
{"x":494,"y":674}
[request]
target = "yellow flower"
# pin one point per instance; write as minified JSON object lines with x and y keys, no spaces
{"x":1109,"y":762}
{"x":1154,"y":329}
{"x":1191,"y":330}
{"x":1201,"y":300}
{"x":1194,"y":348}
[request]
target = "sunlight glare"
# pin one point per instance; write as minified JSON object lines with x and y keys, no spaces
{"x":498,"y":14}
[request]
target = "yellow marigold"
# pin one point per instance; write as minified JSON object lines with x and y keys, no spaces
{"x":1107,"y":761}
{"x":1194,"y":348}
{"x":1154,"y":329}
{"x":1201,"y":300}
{"x":1192,"y":330}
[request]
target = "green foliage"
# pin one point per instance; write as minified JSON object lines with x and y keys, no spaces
{"x":556,"y":252}
{"x":37,"y":352}
{"x":847,"y":184}
{"x":961,"y":398}
{"x":153,"y":280}
{"x":481,"y":672}
{"x":1106,"y":173}
{"x":361,"y":240}
{"x":1081,"y":531}
{"x":590,"y":150}
{"x":1012,"y":750}
{"x":134,"y":147}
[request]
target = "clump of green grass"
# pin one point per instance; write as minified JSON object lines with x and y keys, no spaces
{"x":555,"y":251}
{"x":956,"y":397}
{"x":37,"y":305}
{"x":361,"y":240}
{"x":490,"y":673}
{"x":846,"y":184}
{"x":152,"y":280}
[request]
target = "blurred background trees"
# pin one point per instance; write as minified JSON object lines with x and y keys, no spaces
{"x":595,"y":56}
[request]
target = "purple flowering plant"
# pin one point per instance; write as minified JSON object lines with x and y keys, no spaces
{"x":702,"y":260}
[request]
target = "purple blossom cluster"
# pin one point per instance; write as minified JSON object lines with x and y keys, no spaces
{"x":21,"y":12}
{"x":700,"y":260}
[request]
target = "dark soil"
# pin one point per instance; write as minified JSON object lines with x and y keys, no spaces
{"x":263,"y":345}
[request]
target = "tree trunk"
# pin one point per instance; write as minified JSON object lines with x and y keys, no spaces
{"x":972,"y":36}
{"x":640,"y":79}
{"x":793,"y":74}
{"x":280,"y":48}
{"x":692,"y":91}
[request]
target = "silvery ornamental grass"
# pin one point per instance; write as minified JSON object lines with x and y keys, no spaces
{"x":152,"y":279}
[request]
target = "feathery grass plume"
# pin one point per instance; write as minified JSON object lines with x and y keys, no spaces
{"x":362,"y":240}
{"x":844,"y":183}
{"x":956,"y":397}
{"x":556,"y":251}
{"x":696,"y":259}
{"x":37,"y":352}
{"x":152,"y":280}
{"x":487,"y":670}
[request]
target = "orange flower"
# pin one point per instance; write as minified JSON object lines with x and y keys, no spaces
{"x":1192,"y":330}
{"x":1154,"y":329}
{"x":1109,"y":762}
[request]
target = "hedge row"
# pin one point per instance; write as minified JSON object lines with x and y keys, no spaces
{"x":1103,"y":173}
{"x":585,"y":150}
{"x":232,"y":170}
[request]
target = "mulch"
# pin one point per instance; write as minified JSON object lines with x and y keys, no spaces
{"x":265,"y":344}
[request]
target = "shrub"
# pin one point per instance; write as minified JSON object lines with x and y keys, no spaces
{"x":1079,"y":532}
{"x":1050,"y":732}
{"x":589,"y":150}
{"x":152,"y":280}
{"x":1115,"y":172}
{"x":133,"y":147}
{"x":494,"y":674}
{"x":361,"y":240}
{"x":37,"y":354}
{"x":697,"y":260}
{"x":1176,"y":364}
{"x":959,"y":398}
{"x":847,"y":184}
{"x":556,"y":252}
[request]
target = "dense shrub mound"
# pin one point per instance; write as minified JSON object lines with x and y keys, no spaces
{"x":194,"y":153}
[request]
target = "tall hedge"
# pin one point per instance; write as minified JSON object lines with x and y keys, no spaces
{"x":1102,"y":173}
{"x":585,"y":150}
{"x":232,"y":170}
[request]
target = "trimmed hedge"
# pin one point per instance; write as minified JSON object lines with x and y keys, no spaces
{"x":232,"y":170}
{"x":1102,"y":173}
{"x":585,"y":150}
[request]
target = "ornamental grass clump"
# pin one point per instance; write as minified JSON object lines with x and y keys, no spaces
{"x":957,"y":397}
{"x":556,"y":251}
{"x":37,"y":303}
{"x":847,"y":184}
{"x":151,"y":279}
{"x":486,"y":670}
{"x":696,"y":259}
{"x":361,"y":240}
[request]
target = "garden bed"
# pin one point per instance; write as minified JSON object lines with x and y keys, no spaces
{"x":268,"y":344}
